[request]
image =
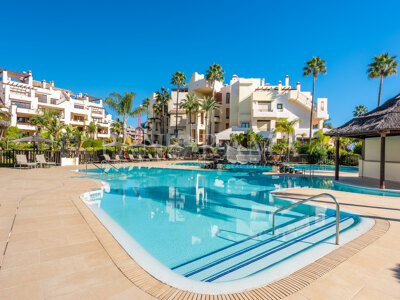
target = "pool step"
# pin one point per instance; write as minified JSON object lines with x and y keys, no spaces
{"x":240,"y":247}
{"x":253,"y":255}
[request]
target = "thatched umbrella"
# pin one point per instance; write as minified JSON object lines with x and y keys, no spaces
{"x":155,"y":146}
{"x":114,"y":144}
{"x":33,"y":139}
{"x":138,"y":145}
{"x":3,"y":126}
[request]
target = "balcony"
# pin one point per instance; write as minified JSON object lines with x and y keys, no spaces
{"x":26,"y":111}
{"x":26,"y":126}
{"x":181,"y":123}
{"x":21,"y":96}
{"x":269,"y":113}
{"x":300,"y":98}
{"x":102,"y":135}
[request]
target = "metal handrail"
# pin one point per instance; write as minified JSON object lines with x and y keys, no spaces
{"x":107,"y":162}
{"x":306,"y":200}
{"x":101,"y":169}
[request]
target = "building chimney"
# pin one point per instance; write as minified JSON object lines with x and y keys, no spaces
{"x":30,"y":73}
{"x":298,"y":86}
{"x":52,"y":83}
{"x":279,"y":86}
{"x":43,"y":84}
{"x":287,"y":81}
{"x":262,"y":81}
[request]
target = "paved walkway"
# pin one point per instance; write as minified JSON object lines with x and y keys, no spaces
{"x":53,"y":253}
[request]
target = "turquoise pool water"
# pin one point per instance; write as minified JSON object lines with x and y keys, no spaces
{"x":300,"y":166}
{"x":215,"y":226}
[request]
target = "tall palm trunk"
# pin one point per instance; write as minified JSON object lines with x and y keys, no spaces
{"x":123,"y":130}
{"x":190,"y":126}
{"x":206,"y":117}
{"x":380,"y":90}
{"x":211,"y":114}
{"x":176,"y":116}
{"x":312,"y":109}
{"x":162,"y":125}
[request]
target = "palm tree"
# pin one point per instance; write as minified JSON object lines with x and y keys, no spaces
{"x":382,"y":66}
{"x":287,"y":127}
{"x":162,"y":98}
{"x":314,"y":66}
{"x":360,"y":110}
{"x":214,"y":74}
{"x":146,"y":106}
{"x":92,"y":129}
{"x":117,"y":126}
{"x":178,"y":79}
{"x":320,"y":140}
{"x":4,"y":117}
{"x":190,"y":104}
{"x":209,"y":104}
{"x":123,"y":105}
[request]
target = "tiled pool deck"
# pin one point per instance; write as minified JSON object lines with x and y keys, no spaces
{"x":57,"y":249}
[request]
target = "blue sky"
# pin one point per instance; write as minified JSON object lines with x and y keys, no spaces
{"x":115,"y":46}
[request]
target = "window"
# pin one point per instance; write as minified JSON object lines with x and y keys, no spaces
{"x":228,"y":98}
{"x":279,"y":106}
{"x":245,"y":125}
{"x":227,"y":112}
{"x":264,"y":106}
{"x":323,"y":105}
{"x":227,"y":125}
{"x":42,"y":98}
{"x":79,"y":118}
{"x":22,"y":120}
{"x":264,"y":125}
{"x":21,"y":104}
{"x":315,"y":126}
{"x":79,"y":106}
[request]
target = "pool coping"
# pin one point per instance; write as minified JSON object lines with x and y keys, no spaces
{"x":276,"y":290}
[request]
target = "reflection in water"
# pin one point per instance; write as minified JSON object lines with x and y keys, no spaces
{"x":194,"y":212}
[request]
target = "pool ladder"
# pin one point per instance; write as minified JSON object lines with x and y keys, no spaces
{"x":101,"y":166}
{"x":306,"y":200}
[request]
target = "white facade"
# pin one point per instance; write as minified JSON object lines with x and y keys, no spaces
{"x":26,"y":98}
{"x":245,"y":104}
{"x":257,"y":106}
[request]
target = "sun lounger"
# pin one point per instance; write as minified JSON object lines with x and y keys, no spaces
{"x":22,"y":161}
{"x":41,"y":160}
{"x":107,"y":158}
{"x":117,"y":158}
{"x":150,"y":157}
{"x":131,"y":157}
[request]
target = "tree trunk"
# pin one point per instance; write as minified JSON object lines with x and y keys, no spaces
{"x":312,"y":109}
{"x":206,"y":122}
{"x":380,"y":90}
{"x":190,"y":126}
{"x":162,"y":125}
{"x":123,"y":130}
{"x":176,"y":117}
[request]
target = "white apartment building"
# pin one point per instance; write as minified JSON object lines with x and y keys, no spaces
{"x":194,"y":132}
{"x":26,"y":98}
{"x":245,"y":104}
{"x":252,"y":104}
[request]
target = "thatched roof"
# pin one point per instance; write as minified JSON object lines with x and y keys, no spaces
{"x":4,"y":124}
{"x":385,"y":118}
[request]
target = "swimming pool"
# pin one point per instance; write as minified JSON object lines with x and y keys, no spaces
{"x":200,"y":230}
{"x":268,"y":168}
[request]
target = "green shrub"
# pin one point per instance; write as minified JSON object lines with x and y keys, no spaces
{"x":97,"y":143}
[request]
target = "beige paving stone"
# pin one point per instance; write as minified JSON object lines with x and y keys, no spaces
{"x":53,"y":253}
{"x":28,"y":291}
